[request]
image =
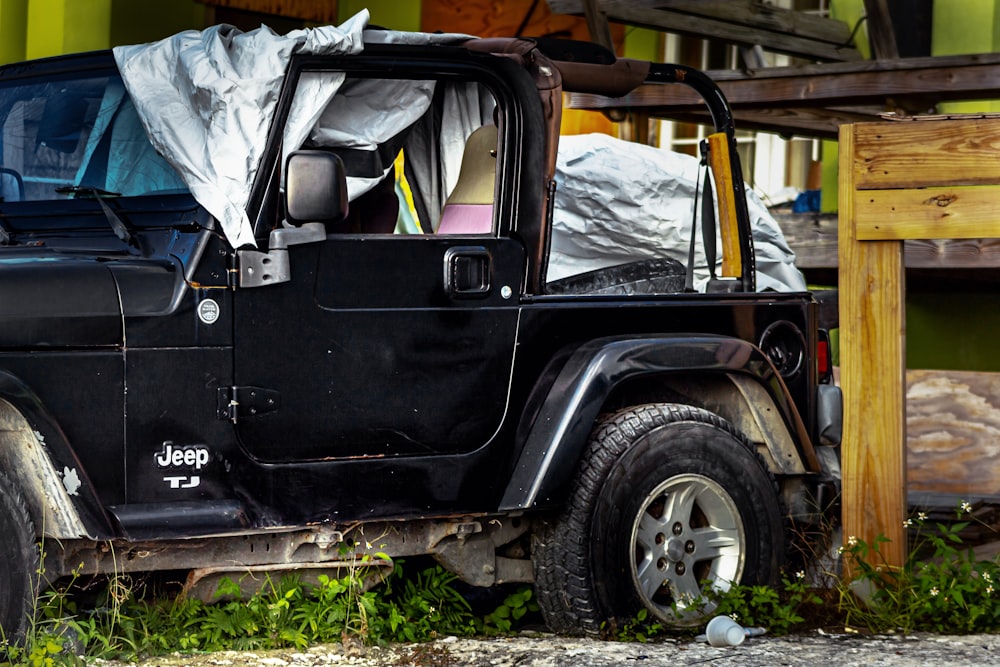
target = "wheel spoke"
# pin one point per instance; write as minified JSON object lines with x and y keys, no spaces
{"x":649,"y":527}
{"x":714,"y":542}
{"x":684,"y":588}
{"x":680,"y":503}
{"x":650,"y":578}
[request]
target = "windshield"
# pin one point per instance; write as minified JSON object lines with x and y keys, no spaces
{"x":67,"y":138}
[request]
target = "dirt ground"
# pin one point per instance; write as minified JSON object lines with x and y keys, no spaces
{"x":542,"y":650}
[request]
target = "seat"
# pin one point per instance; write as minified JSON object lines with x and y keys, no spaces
{"x":469,"y":208}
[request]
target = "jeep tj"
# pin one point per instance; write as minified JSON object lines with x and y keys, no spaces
{"x":255,"y":318}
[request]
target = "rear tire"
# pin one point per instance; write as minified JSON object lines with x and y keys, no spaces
{"x":19,"y":563}
{"x":667,"y":497}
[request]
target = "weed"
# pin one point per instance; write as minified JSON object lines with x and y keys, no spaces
{"x":781,"y":611}
{"x":515,"y":608}
{"x":941,"y":587}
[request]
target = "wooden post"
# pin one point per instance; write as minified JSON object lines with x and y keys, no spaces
{"x":872,"y":364}
{"x":935,"y":179}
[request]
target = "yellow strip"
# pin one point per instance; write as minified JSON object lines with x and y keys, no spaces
{"x":718,"y":159}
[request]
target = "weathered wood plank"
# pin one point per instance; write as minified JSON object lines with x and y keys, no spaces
{"x":953,"y":432}
{"x":833,"y":93}
{"x":880,"y":31}
{"x":813,"y":238}
{"x":761,"y":15}
{"x":822,"y":123}
{"x":747,"y":12}
{"x":631,"y":13}
{"x":926,"y":154}
{"x":840,"y":84}
{"x":952,"y":254}
{"x":871,"y":353}
{"x":928,"y":213}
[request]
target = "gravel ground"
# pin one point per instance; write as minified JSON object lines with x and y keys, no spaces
{"x":539,"y":650}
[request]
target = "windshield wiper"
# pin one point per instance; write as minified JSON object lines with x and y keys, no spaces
{"x":78,"y":190}
{"x":118,"y":226}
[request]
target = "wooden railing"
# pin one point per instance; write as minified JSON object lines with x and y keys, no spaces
{"x":899,"y":181}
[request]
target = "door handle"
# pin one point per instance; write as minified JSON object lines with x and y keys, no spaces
{"x":468,"y":271}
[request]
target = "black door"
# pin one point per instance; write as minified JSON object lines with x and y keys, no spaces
{"x":380,"y":346}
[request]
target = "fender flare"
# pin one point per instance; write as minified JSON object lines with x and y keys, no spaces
{"x":33,"y":448}
{"x":574,"y":400}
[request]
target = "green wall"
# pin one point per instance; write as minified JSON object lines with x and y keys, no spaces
{"x":13,"y":38}
{"x":964,"y":27}
{"x":67,"y":26}
{"x":42,"y":28}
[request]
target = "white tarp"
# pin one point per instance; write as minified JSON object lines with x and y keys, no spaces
{"x":619,"y":202}
{"x":207,"y":99}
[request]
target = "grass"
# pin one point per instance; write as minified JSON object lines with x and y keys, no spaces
{"x":941,"y":588}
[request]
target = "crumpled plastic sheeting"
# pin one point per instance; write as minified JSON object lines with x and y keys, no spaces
{"x":618,"y":202}
{"x":206,"y":100}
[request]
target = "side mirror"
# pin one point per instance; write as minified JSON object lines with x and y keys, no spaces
{"x":315,"y":187}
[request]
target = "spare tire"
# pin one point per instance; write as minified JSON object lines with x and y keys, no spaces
{"x":649,"y":276}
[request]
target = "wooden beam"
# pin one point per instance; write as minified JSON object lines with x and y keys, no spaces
{"x":760,"y":15}
{"x":928,"y":213}
{"x":871,"y":374}
{"x":813,"y":239}
{"x":836,"y":92}
{"x":820,"y":123}
{"x":920,"y":154}
{"x":597,"y":24}
{"x":840,"y":84}
{"x":720,"y":29}
{"x":880,"y":31}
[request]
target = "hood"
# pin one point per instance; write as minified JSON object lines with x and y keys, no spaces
{"x":48,"y":300}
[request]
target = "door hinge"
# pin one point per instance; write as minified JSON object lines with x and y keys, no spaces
{"x":237,"y":402}
{"x":232,"y":270}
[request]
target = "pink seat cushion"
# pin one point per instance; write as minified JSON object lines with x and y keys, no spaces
{"x":466,"y":219}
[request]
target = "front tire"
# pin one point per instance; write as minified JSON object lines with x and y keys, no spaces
{"x":19,"y":563}
{"x":668,"y":496}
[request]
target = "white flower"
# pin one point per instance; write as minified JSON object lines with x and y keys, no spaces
{"x":922,"y":516}
{"x":934,"y":591}
{"x":987,"y":577}
{"x":989,"y":590}
{"x":907,"y":523}
{"x":966,"y":507}
{"x":852,"y":541}
{"x":800,"y":575}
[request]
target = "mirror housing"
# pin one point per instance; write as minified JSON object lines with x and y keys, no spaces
{"x":315,"y":188}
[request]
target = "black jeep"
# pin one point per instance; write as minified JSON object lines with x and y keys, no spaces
{"x":370,"y":352}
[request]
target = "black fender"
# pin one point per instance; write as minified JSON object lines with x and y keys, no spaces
{"x":573,"y":403}
{"x":35,"y":452}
